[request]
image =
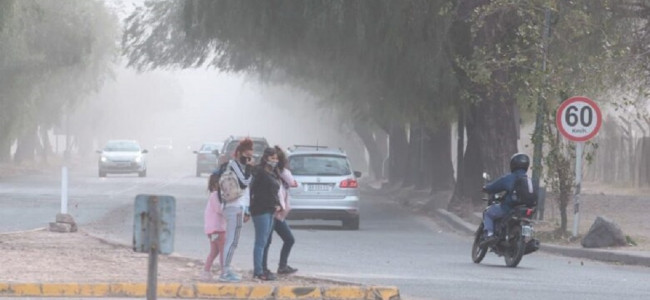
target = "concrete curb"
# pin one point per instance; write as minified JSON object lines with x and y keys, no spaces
{"x":613,"y":256}
{"x":198,"y":290}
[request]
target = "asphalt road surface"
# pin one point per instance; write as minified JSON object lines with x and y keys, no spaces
{"x":393,"y":247}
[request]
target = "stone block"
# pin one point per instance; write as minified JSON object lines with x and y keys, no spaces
{"x":64,"y":218}
{"x":62,"y":227}
{"x":604,"y":233}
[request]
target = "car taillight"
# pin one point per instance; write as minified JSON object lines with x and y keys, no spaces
{"x":349,"y":183}
{"x":529,"y":212}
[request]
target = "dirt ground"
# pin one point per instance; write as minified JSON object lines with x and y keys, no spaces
{"x":627,"y":207}
{"x":43,"y":256}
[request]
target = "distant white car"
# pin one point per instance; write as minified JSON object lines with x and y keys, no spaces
{"x":122,"y":156}
{"x":163,"y":145}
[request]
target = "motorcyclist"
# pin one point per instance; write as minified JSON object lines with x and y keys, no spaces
{"x":519,"y":164}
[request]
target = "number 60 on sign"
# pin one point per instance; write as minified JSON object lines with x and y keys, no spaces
{"x":578,"y":119}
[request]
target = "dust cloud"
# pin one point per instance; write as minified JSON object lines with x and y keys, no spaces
{"x":196,"y":106}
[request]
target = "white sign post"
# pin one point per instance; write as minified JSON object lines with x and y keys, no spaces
{"x":578,"y":119}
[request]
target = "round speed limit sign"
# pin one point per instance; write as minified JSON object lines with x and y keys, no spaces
{"x":578,"y":119}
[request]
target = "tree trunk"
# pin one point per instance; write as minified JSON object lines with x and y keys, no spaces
{"x":442,"y":169}
{"x":5,"y":149}
{"x":398,"y":148}
{"x":47,"y":145}
{"x":376,"y":159}
{"x":26,"y":145}
{"x":491,"y":141}
{"x":413,"y":158}
{"x":381,"y":140}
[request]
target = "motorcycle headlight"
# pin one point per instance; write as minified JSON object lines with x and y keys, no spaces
{"x":103,"y":159}
{"x":138,"y":159}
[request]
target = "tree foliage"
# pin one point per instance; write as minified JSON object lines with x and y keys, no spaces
{"x":52,"y":55}
{"x":410,"y":64}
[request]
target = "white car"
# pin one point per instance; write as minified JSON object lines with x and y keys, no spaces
{"x":122,"y":156}
{"x":326,"y":188}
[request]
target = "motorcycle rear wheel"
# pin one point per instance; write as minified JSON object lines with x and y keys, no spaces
{"x":517,"y":247}
{"x":478,"y":252}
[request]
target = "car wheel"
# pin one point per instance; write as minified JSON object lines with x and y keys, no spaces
{"x":351,"y":224}
{"x":143,"y":173}
{"x":102,"y":174}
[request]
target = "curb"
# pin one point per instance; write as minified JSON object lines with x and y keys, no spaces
{"x":620,"y":257}
{"x":198,"y":290}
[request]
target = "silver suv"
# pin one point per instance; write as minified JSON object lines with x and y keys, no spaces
{"x":326,"y":187}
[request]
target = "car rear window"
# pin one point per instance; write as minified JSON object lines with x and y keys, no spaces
{"x":209,"y":147}
{"x":319,"y":165}
{"x":122,"y":147}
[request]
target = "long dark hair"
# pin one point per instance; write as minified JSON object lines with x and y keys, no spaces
{"x":268,"y":152}
{"x":213,"y":182}
{"x":282,"y":158}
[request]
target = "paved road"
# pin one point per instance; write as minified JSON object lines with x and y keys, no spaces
{"x":393,"y":247}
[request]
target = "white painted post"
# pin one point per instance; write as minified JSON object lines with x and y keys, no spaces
{"x":64,"y":190}
{"x":576,"y":197}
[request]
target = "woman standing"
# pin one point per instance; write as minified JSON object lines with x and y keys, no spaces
{"x":280,"y":225}
{"x":236,"y":212}
{"x":264,"y":204}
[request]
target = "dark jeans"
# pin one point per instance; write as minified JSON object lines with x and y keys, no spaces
{"x":283,"y":230}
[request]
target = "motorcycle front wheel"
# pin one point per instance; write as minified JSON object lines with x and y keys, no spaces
{"x":478,"y":252}
{"x":517,"y":247}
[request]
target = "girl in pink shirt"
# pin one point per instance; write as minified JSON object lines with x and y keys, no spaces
{"x":214,"y":227}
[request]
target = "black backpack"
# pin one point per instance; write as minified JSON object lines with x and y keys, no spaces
{"x":523,"y":192}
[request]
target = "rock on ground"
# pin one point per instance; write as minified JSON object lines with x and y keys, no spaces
{"x":604,"y":233}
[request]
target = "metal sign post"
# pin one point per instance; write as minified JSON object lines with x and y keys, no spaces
{"x":64,"y":190}
{"x":578,"y":119}
{"x":153,"y":233}
{"x":154,"y":245}
{"x":576,"y":197}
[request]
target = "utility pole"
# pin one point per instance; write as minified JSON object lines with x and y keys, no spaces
{"x":538,"y":135}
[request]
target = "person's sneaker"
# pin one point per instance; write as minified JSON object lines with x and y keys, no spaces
{"x":287,"y":270}
{"x":229,"y":277}
{"x":206,"y":276}
{"x":235,"y":275}
{"x":489,"y":241}
{"x":266,"y":276}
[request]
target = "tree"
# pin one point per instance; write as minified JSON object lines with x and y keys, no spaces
{"x":51,"y":55}
{"x":375,"y":63}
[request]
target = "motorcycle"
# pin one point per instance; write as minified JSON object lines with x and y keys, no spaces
{"x":514,"y":233}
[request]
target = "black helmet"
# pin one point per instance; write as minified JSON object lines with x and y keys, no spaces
{"x":519,"y":161}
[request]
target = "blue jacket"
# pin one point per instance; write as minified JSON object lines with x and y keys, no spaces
{"x":505,"y":183}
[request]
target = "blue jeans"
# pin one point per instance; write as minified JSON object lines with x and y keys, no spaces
{"x":491,"y":214}
{"x":263,"y":228}
{"x":283,"y":230}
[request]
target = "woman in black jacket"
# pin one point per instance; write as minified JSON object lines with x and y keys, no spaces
{"x":264,"y":203}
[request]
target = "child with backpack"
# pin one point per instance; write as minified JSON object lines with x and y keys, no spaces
{"x":214,"y":227}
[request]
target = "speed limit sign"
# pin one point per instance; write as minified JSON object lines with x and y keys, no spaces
{"x":578,"y":119}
